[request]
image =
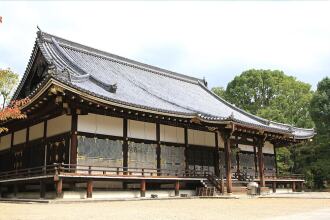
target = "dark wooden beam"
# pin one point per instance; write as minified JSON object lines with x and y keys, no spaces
{"x":275,"y":159}
{"x":143,"y":188}
{"x":216,"y":156}
{"x":44,"y":143}
{"x":42,"y":189}
{"x":255,"y":161}
{"x":274,"y":186}
{"x":125,"y":146}
{"x":260,"y":145}
{"x":59,"y":188}
{"x":89,"y":188}
{"x":226,"y":138}
{"x":186,"y":145}
{"x":177,"y":187}
{"x":74,"y":137}
{"x":158,"y":149}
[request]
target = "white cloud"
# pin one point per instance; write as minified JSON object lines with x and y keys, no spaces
{"x":212,"y":39}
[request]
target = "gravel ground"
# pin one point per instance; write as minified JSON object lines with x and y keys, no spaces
{"x":185,"y":209}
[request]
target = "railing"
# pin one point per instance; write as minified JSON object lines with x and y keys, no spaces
{"x":74,"y":169}
{"x":29,"y":172}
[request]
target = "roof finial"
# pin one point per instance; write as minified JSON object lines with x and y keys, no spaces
{"x":204,"y":81}
{"x":38,"y":28}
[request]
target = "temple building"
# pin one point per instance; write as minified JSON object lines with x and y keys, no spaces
{"x":99,"y":125}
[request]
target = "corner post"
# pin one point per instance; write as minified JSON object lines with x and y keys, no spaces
{"x":89,"y":188}
{"x":143,"y":188}
{"x":216,"y":156}
{"x":260,"y":145}
{"x":158,"y":149}
{"x":125,"y":147}
{"x":226,"y":134}
{"x":186,"y":145}
{"x":74,"y":138}
{"x":59,"y":188}
{"x":177,"y":187}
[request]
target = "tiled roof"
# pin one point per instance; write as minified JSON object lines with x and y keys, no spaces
{"x":132,"y":83}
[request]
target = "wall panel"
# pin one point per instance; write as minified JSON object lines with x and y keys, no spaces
{"x":141,"y":130}
{"x":58,"y":125}
{"x":171,"y":134}
{"x":201,"y":138}
{"x":100,"y":124}
{"x":20,"y":137}
{"x":5,"y":142}
{"x":36,"y":131}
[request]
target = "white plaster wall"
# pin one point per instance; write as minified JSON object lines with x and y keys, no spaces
{"x":5,"y":142}
{"x":58,"y":125}
{"x":202,"y":138}
{"x":171,"y":134}
{"x":221,"y":143}
{"x":20,"y":136}
{"x":268,"y":148}
{"x":243,"y":147}
{"x":100,"y":124}
{"x":36,"y":131}
{"x":141,"y":130}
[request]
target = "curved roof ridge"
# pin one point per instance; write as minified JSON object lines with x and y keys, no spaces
{"x":106,"y":55}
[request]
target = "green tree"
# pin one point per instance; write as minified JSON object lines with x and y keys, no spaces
{"x":272,"y":95}
{"x":8,"y":81}
{"x":314,"y":158}
{"x":219,"y":91}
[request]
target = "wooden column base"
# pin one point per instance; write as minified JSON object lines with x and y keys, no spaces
{"x":143,"y":188}
{"x":42,"y":190}
{"x":89,"y":188}
{"x":15,"y":190}
{"x":177,"y":188}
{"x":59,"y":188}
{"x":274,"y":187}
{"x":293,"y":186}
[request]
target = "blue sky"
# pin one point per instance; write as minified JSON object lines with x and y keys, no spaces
{"x":215,"y":40}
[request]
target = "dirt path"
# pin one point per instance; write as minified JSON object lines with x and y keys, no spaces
{"x":172,"y":209}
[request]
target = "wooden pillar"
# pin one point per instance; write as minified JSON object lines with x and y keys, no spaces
{"x":158,"y":150}
{"x":177,"y":187}
{"x":15,"y":190}
{"x":89,"y":188}
{"x":302,"y":187}
{"x":74,"y":138}
{"x":275,"y":160}
{"x":274,"y":186}
{"x":226,"y":139}
{"x":238,"y":168}
{"x":42,"y":190}
{"x":125,"y":147}
{"x":293,"y":186}
{"x":186,"y":145}
{"x":44,"y":143}
{"x":255,"y":162}
{"x":59,"y":188}
{"x":143,"y":188}
{"x":261,"y":163}
{"x":216,"y":156}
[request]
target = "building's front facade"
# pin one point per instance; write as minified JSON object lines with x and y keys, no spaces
{"x":115,"y":123}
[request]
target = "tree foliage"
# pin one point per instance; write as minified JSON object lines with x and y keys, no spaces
{"x":272,"y":95}
{"x":314,"y":158}
{"x":8,"y":81}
